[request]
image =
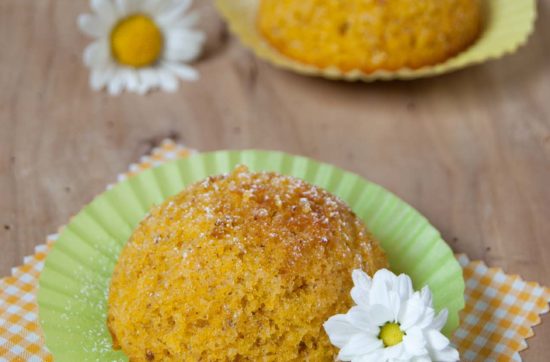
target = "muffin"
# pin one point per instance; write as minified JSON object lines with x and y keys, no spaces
{"x":239,"y":267}
{"x":370,"y":35}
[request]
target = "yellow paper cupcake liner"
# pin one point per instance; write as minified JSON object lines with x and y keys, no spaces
{"x":507,"y":26}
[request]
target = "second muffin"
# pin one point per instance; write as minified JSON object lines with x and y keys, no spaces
{"x":370,"y":35}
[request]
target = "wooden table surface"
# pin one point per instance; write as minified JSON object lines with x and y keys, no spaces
{"x":470,"y":150}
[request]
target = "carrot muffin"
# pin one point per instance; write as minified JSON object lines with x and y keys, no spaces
{"x":370,"y":35}
{"x":239,"y":267}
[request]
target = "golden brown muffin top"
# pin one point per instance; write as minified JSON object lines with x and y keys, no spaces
{"x":245,"y":266}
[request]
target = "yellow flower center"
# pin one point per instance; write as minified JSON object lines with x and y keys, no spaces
{"x":391,"y":334}
{"x":136,"y":41}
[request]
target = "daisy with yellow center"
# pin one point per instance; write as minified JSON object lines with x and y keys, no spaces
{"x":390,"y":322}
{"x":141,"y":44}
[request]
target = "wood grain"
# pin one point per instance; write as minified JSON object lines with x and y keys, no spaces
{"x":470,"y":150}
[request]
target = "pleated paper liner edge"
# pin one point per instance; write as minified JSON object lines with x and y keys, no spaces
{"x":508,"y":25}
{"x":77,"y":271}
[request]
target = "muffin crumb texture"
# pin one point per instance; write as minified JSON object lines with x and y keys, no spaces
{"x":239,"y":267}
{"x":370,"y":35}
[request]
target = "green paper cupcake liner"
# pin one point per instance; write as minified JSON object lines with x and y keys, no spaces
{"x":507,"y":26}
{"x":73,"y":286}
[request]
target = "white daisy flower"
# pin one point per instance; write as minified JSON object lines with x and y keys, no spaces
{"x":140,"y":44}
{"x":391,"y":322}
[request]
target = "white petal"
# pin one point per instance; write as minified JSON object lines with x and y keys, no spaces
{"x":97,"y":54}
{"x":439,"y":322}
{"x":131,"y":80}
{"x":153,"y":6}
{"x":362,"y":285}
{"x":148,"y":79}
{"x":340,"y":330}
{"x":361,"y":290}
{"x":171,"y":13}
{"x":156,"y":7}
{"x":100,"y":77}
{"x":182,"y":71}
{"x":102,"y":6}
{"x":123,"y":78}
{"x":425,"y":358}
{"x":396,"y":352}
{"x":360,"y":296}
{"x":384,"y":282}
{"x":116,"y":85}
{"x":90,"y":54}
{"x":375,"y":356}
{"x":427,"y":318}
{"x":385,"y":276}
{"x":128,"y":7}
{"x":105,"y":9}
{"x":122,"y":7}
{"x":186,"y":36}
{"x":360,"y":318}
{"x":97,"y":79}
{"x":380,"y":315}
{"x":426,"y":296}
{"x":142,"y":88}
{"x":359,"y":345}
{"x":168,"y":81}
{"x":395,"y":305}
{"x":414,"y":342}
{"x":404,"y":286}
{"x":181,"y":53}
{"x":183,"y":46}
{"x":189,"y":35}
{"x":91,"y":25}
{"x":436,"y":340}
{"x":449,"y":354}
{"x":411,"y":312}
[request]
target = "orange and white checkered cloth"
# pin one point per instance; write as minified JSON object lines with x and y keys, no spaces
{"x":499,"y":315}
